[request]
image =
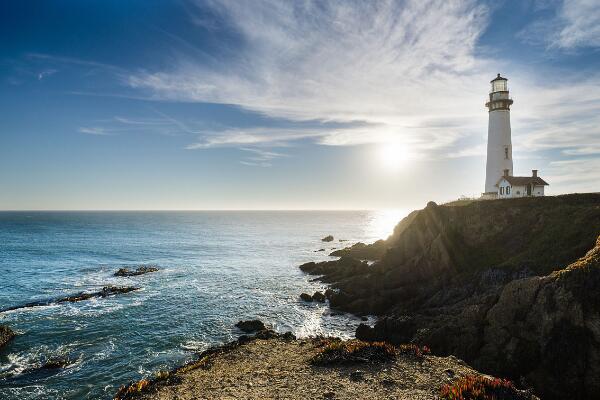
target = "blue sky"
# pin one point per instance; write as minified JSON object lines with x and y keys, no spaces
{"x":288,"y":105}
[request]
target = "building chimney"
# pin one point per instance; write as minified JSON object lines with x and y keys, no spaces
{"x":534,"y":173}
{"x":506,"y":172}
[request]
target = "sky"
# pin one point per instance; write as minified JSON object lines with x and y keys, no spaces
{"x":207,"y":104}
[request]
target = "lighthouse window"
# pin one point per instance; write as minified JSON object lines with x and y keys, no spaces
{"x":499,"y":86}
{"x":506,"y":153}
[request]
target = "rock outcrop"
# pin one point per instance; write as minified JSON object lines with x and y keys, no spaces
{"x":487,"y":282}
{"x":327,"y":238}
{"x":106,"y":291}
{"x":253,"y":325}
{"x":6,"y":335}
{"x":144,"y":269}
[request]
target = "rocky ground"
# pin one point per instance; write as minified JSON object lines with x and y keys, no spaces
{"x":505,"y":285}
{"x":279,"y":368}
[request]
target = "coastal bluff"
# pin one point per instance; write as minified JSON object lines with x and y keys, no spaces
{"x":510,"y":286}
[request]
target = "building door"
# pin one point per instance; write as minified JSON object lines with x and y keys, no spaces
{"x":528,"y":190}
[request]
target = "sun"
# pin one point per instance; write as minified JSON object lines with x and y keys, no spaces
{"x":392,"y":155}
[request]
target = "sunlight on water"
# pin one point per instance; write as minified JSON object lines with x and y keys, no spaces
{"x":216,"y":268}
{"x":382,"y":222}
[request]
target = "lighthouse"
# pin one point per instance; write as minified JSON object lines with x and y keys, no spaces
{"x":499,"y":148}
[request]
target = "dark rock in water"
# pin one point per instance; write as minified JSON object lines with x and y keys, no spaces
{"x":319,"y":297}
{"x":105,"y":292}
{"x":316,"y":251}
{"x":363,"y":251}
{"x":55,"y":363}
{"x":6,"y":334}
{"x":306,"y":297}
{"x":327,"y":238}
{"x":251,"y":325}
{"x":138,"y":271}
{"x":363,"y":318}
{"x":329,"y":293}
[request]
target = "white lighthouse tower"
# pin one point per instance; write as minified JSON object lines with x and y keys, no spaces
{"x":499,"y":147}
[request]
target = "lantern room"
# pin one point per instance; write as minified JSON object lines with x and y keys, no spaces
{"x":499,"y":84}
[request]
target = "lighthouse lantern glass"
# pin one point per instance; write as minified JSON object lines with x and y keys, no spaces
{"x":499,"y":86}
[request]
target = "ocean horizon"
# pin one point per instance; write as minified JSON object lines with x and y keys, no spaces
{"x":215,"y":268}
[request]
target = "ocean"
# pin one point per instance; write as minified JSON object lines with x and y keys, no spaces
{"x":216,"y":268}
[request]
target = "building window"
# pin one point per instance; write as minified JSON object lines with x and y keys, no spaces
{"x":508,"y":190}
{"x":501,"y":190}
{"x":506,"y":153}
{"x":518,"y":192}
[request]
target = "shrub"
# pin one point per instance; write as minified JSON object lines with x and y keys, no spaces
{"x":335,"y":351}
{"x":413,"y":350}
{"x":478,"y":387}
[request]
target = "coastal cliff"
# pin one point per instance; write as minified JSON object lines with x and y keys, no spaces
{"x":505,"y":285}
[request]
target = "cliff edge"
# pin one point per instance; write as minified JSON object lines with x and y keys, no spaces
{"x":505,"y":285}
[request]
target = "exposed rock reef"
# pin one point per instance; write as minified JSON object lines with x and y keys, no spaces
{"x":105,"y":292}
{"x":280,"y":367}
{"x":319,"y":297}
{"x":327,"y":238}
{"x":6,"y":335}
{"x":144,"y":269}
{"x":506,"y":285}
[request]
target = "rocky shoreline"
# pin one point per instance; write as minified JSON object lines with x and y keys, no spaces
{"x":505,"y":285}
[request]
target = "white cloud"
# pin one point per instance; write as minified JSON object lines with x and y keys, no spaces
{"x":409,"y":71}
{"x":94,"y":130}
{"x":580,"y":20}
{"x":396,"y":66}
{"x":45,"y":73}
{"x":574,"y":25}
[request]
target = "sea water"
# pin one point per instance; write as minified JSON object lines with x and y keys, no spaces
{"x":216,"y":268}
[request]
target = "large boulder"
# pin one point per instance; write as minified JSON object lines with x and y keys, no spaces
{"x":306,"y":297}
{"x":319,"y":297}
{"x":253,"y":325}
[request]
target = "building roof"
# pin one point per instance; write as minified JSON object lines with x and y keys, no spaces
{"x":524,"y":180}
{"x":498,"y":78}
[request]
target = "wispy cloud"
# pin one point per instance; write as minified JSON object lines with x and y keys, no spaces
{"x":46,"y":73}
{"x":575,"y":24}
{"x":409,"y":71}
{"x":395,"y":65}
{"x":94,"y":130}
{"x":260,"y":157}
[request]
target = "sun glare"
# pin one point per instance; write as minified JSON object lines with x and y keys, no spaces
{"x":392,"y":155}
